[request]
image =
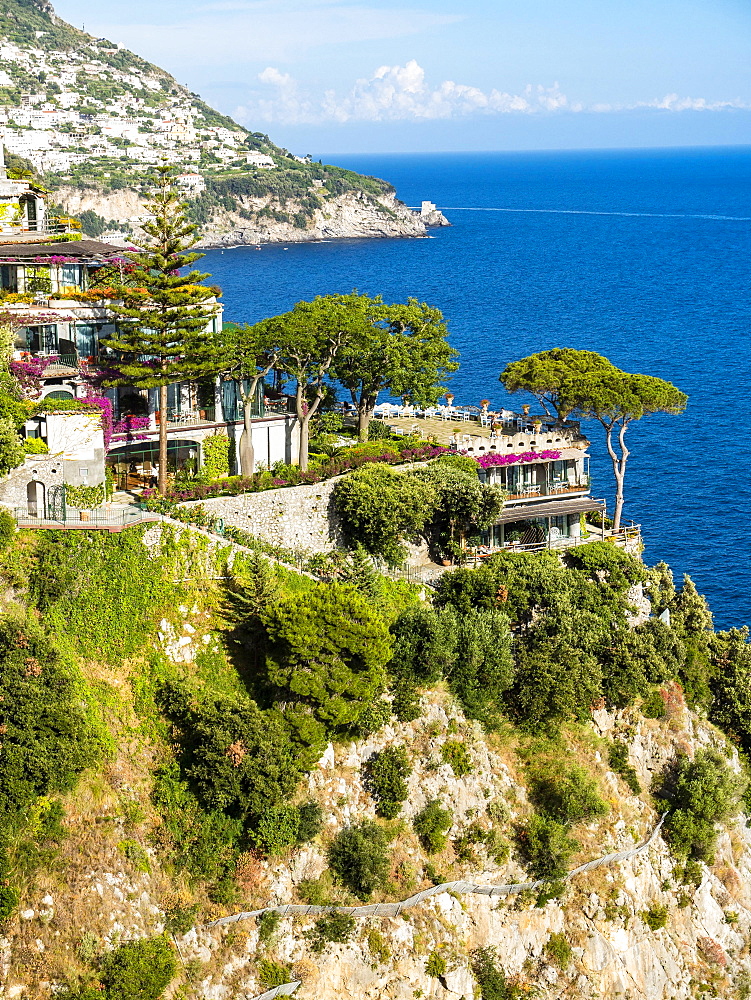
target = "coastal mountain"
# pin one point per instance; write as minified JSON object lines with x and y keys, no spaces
{"x":93,"y":119}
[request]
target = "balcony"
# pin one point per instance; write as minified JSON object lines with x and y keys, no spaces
{"x":550,"y":489}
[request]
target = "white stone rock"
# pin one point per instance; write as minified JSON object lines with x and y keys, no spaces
{"x":460,"y":982}
{"x":27,"y":914}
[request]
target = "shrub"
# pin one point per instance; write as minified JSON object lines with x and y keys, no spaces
{"x":273,"y":973}
{"x":179,"y":919}
{"x":378,"y":507}
{"x":432,"y":825}
{"x":656,"y":917}
{"x":315,"y":891}
{"x":215,"y":456}
{"x":558,"y":950}
{"x":267,"y":924}
{"x":359,"y":859}
{"x":455,"y":754}
{"x":385,"y":775}
{"x":547,"y":847}
{"x":405,"y":700}
{"x":85,"y":497}
{"x":277,"y":830}
{"x":326,"y":653}
{"x":7,"y":528}
{"x":490,"y":976}
{"x":311,"y":821}
{"x":35,"y":446}
{"x":48,"y":736}
{"x":139,"y":970}
{"x":565,"y":791}
{"x":700,"y":792}
{"x":238,"y":759}
{"x":653,"y":706}
{"x":8,"y":902}
{"x":618,"y":760}
{"x":425,"y":642}
{"x":336,"y":928}
{"x":435,"y":965}
{"x":377,"y":946}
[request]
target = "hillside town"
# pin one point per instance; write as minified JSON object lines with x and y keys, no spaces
{"x":92,"y":109}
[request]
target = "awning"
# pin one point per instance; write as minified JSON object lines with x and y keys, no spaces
{"x":549,"y":508}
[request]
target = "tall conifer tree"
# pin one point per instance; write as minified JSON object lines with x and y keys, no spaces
{"x":162,"y":335}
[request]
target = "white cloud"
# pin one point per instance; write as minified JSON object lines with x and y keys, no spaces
{"x":402,"y":93}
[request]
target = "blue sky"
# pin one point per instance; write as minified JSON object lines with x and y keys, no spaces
{"x":341,"y":76}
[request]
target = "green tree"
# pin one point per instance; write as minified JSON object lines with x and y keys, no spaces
{"x":237,"y":758}
{"x":248,"y":354}
{"x":359,"y":859}
{"x":47,"y":735}
{"x":326,"y":657}
{"x":616,"y":399}
{"x":402,"y":349}
{"x":554,"y":681}
{"x":588,"y":384}
{"x":425,"y":644}
{"x":139,"y":970}
{"x":544,"y":375}
{"x":162,"y":332}
{"x":310,"y":337}
{"x":463,"y":505}
{"x":378,"y":507}
{"x":731,"y":705}
{"x":484,"y":666}
{"x":700,"y":792}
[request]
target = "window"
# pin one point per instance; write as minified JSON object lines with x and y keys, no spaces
{"x":87,"y":339}
{"x":9,"y":278}
{"x":70,"y":276}
{"x":43,"y":339}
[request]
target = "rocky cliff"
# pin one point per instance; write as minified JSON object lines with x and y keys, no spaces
{"x":647,"y":928}
{"x":92,"y":119}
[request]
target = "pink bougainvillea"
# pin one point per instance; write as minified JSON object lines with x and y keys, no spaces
{"x":130,"y":425}
{"x":493,"y":460}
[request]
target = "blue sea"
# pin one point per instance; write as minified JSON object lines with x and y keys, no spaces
{"x":643,"y":256}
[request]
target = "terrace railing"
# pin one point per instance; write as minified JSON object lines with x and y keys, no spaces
{"x":113,"y":519}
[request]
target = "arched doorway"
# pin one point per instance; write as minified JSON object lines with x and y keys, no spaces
{"x":35,"y":498}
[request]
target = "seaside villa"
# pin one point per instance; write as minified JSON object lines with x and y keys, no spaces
{"x":59,"y":324}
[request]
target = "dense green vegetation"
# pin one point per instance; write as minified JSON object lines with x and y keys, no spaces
{"x":526,"y":645}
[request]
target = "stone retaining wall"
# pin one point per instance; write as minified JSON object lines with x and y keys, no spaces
{"x":298,"y":517}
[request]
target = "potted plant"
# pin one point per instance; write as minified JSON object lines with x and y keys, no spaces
{"x":526,"y":408}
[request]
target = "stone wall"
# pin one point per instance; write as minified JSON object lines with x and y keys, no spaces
{"x":300,"y":517}
{"x":47,"y":470}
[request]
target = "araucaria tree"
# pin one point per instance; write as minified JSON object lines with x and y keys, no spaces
{"x":248,"y":354}
{"x":399,"y":348}
{"x":164,"y":313}
{"x":586,"y":384}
